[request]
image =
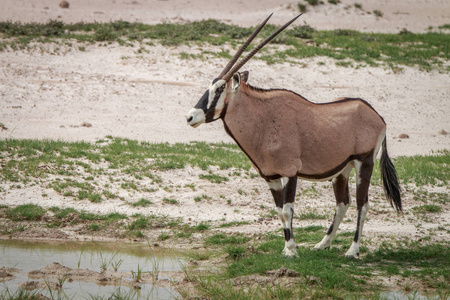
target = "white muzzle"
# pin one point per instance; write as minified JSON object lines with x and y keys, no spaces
{"x":195,"y":117}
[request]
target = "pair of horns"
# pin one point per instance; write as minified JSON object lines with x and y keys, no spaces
{"x":229,"y":70}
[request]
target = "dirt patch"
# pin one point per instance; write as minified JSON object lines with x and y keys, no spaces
{"x":41,"y":233}
{"x":54,"y":276}
{"x":7,"y":274}
{"x":56,"y":270}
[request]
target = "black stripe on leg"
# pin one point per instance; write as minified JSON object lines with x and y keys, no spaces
{"x":330,"y":229}
{"x":278,"y":197}
{"x":287,"y":234}
{"x":357,"y":225}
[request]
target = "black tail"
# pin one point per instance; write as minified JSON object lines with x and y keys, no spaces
{"x":390,"y":180}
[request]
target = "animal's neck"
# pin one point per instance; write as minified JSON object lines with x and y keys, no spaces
{"x":244,"y":108}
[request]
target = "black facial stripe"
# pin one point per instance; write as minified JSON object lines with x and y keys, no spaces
{"x":203,"y":102}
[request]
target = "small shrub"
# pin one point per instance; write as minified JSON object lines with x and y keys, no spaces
{"x":404,"y":31}
{"x":312,"y":2}
{"x":95,"y":198}
{"x":170,"y":201}
{"x":114,"y":216}
{"x":200,"y":198}
{"x":303,"y":31}
{"x":377,"y":13}
{"x":301,"y":7}
{"x":105,"y":33}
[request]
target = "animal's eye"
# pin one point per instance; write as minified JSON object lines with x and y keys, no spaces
{"x":220,"y":90}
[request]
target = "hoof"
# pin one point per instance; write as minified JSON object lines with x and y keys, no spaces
{"x":319,"y":248}
{"x":352,"y":256}
{"x":290,"y":253}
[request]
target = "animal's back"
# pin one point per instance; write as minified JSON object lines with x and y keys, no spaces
{"x":320,"y":137}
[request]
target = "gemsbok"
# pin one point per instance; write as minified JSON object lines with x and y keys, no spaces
{"x":288,"y":137}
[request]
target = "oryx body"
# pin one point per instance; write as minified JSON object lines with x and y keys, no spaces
{"x":288,"y":137}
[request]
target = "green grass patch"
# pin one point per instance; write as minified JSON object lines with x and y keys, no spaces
{"x":425,"y":50}
{"x":142,"y":202}
{"x":425,"y":169}
{"x":62,"y":213}
{"x":311,"y":216}
{"x":233,"y":224}
{"x":20,"y":294}
{"x":201,"y":227}
{"x":235,"y":252}
{"x":140,"y":223}
{"x":221,"y":238}
{"x":429,"y":208}
{"x":75,"y":168}
{"x":25,"y":212}
{"x":425,"y":196}
{"x":420,"y":170}
{"x":324,"y":274}
{"x":214,"y":178}
{"x":170,"y":201}
{"x":202,"y":197}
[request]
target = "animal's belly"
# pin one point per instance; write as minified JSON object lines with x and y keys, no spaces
{"x":321,"y":177}
{"x":325,"y":174}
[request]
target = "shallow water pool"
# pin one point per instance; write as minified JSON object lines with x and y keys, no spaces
{"x":106,"y":269}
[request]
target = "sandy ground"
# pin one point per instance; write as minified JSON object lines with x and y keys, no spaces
{"x":51,"y":93}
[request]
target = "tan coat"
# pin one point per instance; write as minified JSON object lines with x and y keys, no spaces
{"x":285,"y":135}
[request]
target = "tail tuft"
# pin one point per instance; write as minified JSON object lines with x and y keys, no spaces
{"x":390,"y":180}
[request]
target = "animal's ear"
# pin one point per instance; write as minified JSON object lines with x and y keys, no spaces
{"x":236,"y":81}
{"x":244,"y":76}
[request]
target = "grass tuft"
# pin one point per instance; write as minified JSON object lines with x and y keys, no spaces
{"x":25,"y":212}
{"x":142,"y":202}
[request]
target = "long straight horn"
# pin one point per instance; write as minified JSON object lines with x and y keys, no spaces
{"x":256,"y":49}
{"x":243,"y":47}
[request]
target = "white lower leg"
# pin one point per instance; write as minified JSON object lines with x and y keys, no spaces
{"x":341,"y":210}
{"x":290,"y":247}
{"x":280,"y":215}
{"x":353,"y":251}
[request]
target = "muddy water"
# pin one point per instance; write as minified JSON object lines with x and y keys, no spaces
{"x":45,"y":264}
